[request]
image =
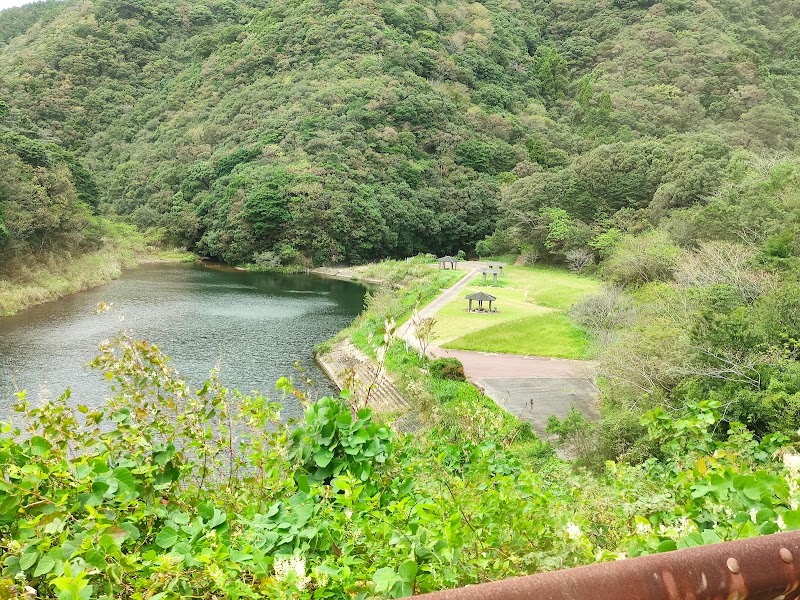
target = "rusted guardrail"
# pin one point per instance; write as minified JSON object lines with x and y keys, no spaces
{"x":762,"y":568}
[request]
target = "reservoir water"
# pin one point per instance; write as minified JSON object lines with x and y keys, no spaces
{"x":255,"y":326}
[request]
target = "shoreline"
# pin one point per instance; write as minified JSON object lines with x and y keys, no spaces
{"x":345,"y":274}
{"x":90,"y":270}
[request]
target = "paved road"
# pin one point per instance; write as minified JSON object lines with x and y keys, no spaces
{"x":493,"y":364}
{"x":535,"y":399}
{"x":530,"y":387}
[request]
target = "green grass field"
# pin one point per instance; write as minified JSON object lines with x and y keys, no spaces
{"x":531,"y":319}
{"x":549,"y":334}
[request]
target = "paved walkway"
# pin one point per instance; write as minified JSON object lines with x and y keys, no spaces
{"x":530,"y":387}
{"x":472,"y":268}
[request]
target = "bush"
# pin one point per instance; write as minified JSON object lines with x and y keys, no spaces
{"x":606,"y":311}
{"x":494,"y":245}
{"x":643,"y":258}
{"x":448,"y":368}
{"x":530,"y":255}
{"x":266,"y":259}
{"x":579,"y":259}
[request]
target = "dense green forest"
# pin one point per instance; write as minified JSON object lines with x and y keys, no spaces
{"x":347,"y":131}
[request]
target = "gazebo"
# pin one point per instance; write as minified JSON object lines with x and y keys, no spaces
{"x":448,"y":260}
{"x":493,"y":272}
{"x":480,"y":298}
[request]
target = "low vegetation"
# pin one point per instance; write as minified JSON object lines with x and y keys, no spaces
{"x":702,"y":308}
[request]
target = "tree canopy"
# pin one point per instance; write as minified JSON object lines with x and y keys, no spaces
{"x":345,"y":131}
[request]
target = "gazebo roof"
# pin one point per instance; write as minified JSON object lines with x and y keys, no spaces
{"x":482,"y":297}
{"x":448,"y":259}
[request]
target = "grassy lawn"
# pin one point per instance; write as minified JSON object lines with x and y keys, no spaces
{"x":549,"y":334}
{"x":531,"y":319}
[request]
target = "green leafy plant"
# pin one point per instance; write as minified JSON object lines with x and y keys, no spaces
{"x":447,"y":368}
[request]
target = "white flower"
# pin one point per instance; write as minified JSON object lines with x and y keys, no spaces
{"x":792,"y":462}
{"x":753,"y":513}
{"x":573,"y":531}
{"x":295,"y":564}
{"x":643,"y":528}
{"x":781,"y":524}
{"x":685,"y":526}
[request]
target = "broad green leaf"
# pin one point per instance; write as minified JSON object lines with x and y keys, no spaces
{"x":792,"y":519}
{"x":28,"y":559}
{"x":166,"y":538}
{"x":408,"y":574}
{"x":384,"y":579}
{"x":667,"y":546}
{"x":95,"y":558}
{"x":45,"y":565}
{"x":125,"y":479}
{"x":323,"y":457}
{"x":39,"y":446}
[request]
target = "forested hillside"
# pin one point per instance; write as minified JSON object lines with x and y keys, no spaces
{"x":47,"y":201}
{"x":345,"y":131}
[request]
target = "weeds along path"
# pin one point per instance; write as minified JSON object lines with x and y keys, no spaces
{"x":349,"y":368}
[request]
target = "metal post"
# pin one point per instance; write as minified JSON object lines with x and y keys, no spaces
{"x":761,"y":568}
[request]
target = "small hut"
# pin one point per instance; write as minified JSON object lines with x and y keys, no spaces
{"x":493,"y":272}
{"x":480,"y":298}
{"x":448,"y":262}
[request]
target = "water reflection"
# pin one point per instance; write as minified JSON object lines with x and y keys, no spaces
{"x":254,"y":325}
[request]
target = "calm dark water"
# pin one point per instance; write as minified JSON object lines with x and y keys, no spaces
{"x":254,"y":325}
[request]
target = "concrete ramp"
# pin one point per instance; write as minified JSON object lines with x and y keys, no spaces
{"x":532,"y":388}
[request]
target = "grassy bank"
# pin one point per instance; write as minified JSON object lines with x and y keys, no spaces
{"x":46,"y":278}
{"x":530,"y":319}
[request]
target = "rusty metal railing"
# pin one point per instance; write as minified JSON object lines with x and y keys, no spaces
{"x":761,"y":568}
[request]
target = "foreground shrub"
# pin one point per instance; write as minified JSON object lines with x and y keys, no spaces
{"x":167,"y":492}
